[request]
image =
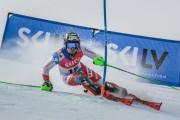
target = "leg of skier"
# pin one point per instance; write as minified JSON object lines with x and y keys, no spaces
{"x":81,"y":79}
{"x":114,"y":92}
{"x":91,"y":81}
{"x":110,"y":88}
{"x":87,"y":78}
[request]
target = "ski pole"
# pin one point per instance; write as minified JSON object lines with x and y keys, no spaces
{"x":105,"y":50}
{"x":149,"y":79}
{"x":20,"y":84}
{"x":100,"y":62}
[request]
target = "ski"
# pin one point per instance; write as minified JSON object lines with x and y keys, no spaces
{"x":125,"y":101}
{"x":154,"y":105}
{"x":110,"y":96}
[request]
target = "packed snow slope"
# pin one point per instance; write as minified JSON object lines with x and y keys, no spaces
{"x":24,"y":103}
{"x":20,"y":103}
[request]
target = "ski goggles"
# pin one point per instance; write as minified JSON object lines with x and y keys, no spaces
{"x":72,"y":45}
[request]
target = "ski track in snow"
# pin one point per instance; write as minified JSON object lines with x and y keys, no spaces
{"x":25,"y":103}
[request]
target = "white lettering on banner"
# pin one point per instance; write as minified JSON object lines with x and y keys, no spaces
{"x":112,"y":46}
{"x":144,"y":60}
{"x":38,"y":34}
{"x":154,"y":75}
{"x":122,"y":55}
{"x":26,"y":41}
{"x":70,"y":64}
{"x":134,"y":57}
{"x":35,"y":37}
{"x":123,"y":52}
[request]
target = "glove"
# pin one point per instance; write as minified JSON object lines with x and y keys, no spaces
{"x":47,"y":86}
{"x":98,"y":61}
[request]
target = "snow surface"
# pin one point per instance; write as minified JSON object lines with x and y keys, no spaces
{"x":24,"y":103}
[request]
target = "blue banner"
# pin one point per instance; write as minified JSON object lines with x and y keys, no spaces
{"x":156,"y":58}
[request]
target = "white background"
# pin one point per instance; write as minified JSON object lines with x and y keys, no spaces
{"x":153,"y":18}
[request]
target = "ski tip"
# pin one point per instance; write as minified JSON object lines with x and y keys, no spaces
{"x":159,"y":106}
{"x":153,"y":105}
{"x":131,"y":101}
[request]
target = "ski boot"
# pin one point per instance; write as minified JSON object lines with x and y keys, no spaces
{"x":89,"y":85}
{"x":116,"y":90}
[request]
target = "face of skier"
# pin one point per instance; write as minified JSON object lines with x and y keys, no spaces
{"x":72,"y":48}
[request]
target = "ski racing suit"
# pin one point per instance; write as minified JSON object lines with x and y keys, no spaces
{"x":73,"y":72}
{"x":70,"y":67}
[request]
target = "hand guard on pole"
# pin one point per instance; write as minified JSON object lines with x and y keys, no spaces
{"x":98,"y":61}
{"x":47,"y":86}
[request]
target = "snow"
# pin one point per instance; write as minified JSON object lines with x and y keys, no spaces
{"x":19,"y":103}
{"x":25,"y":103}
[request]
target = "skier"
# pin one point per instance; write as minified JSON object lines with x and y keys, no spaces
{"x":74,"y":72}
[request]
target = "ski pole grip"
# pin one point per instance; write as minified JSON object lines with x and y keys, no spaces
{"x":98,"y":61}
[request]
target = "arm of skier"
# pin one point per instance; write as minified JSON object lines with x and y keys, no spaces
{"x":50,"y":63}
{"x":89,"y":53}
{"x":97,"y":59}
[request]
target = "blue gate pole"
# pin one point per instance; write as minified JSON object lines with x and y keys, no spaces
{"x":105,"y":49}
